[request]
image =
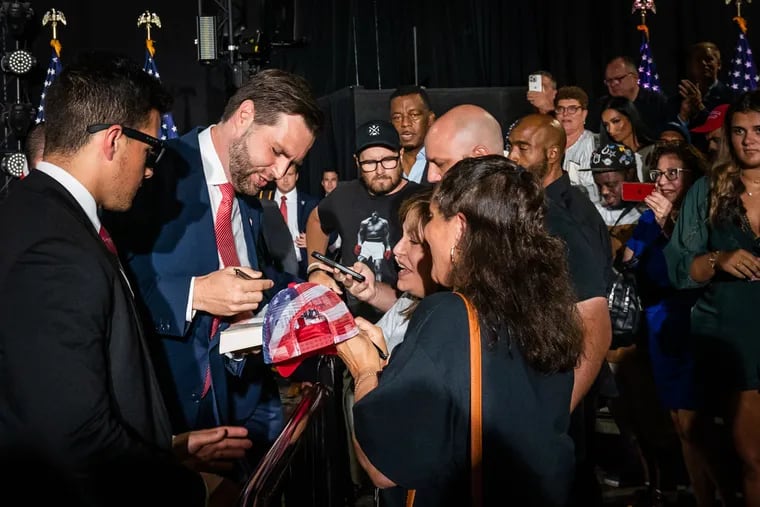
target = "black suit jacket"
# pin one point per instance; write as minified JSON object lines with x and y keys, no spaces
{"x":76,"y":381}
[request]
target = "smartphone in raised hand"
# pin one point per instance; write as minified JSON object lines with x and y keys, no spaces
{"x":534,"y":83}
{"x":333,"y":264}
{"x":636,"y":192}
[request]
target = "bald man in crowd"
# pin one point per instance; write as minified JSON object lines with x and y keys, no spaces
{"x":538,"y":144}
{"x":464,"y":131}
{"x":471,"y":131}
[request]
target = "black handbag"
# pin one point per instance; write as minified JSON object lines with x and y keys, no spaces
{"x":623,"y":300}
{"x":624,"y":303}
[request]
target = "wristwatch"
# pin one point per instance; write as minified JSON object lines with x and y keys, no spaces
{"x":713,"y":259}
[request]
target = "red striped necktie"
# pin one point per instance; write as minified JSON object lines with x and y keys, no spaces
{"x":225,"y":244}
{"x":284,"y":208}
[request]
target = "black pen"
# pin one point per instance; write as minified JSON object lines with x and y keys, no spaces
{"x":242,"y":274}
{"x":380,"y":352}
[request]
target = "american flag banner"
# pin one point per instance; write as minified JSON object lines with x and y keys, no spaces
{"x":743,"y":71}
{"x":648,"y":77}
{"x":54,"y":68}
{"x":168,"y":128}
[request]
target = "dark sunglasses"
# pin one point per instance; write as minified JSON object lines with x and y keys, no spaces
{"x":156,"y":145}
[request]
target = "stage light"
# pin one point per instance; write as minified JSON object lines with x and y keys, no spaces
{"x":14,"y":164}
{"x":18,"y":62}
{"x":206,"y":41}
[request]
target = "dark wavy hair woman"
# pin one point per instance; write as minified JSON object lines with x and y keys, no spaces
{"x":487,"y":241}
{"x":716,"y":245}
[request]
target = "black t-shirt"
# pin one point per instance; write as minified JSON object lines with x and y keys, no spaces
{"x":586,"y":264}
{"x":415,"y":426}
{"x":369,"y":228}
{"x":581,"y":209}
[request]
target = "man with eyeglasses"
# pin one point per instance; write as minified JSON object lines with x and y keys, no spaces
{"x":621,"y":77}
{"x":364,"y":212}
{"x":412,"y":116}
{"x":194,"y":229}
{"x":81,"y":392}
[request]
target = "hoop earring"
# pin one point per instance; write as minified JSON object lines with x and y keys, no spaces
{"x":451,"y":254}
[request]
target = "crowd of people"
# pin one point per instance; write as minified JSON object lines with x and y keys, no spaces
{"x":127,"y":256}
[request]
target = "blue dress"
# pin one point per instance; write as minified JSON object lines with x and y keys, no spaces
{"x":667,"y":317}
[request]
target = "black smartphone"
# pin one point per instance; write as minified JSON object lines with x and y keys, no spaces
{"x":350,"y":272}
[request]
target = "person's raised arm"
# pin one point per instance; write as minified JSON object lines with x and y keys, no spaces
{"x":316,"y":241}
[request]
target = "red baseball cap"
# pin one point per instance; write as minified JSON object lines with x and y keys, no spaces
{"x":304,"y":320}
{"x":714,"y":120}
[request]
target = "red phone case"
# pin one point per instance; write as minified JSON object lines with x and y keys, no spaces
{"x":636,"y":192}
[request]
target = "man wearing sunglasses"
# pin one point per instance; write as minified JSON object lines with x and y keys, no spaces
{"x":192,"y":226}
{"x":80,"y":392}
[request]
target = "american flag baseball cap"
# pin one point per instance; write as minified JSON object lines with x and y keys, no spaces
{"x":303,"y":320}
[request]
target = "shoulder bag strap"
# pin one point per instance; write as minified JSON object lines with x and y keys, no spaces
{"x":476,"y":406}
{"x":628,"y":209}
{"x":476,"y":411}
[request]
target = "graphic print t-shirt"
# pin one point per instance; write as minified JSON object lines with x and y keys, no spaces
{"x":369,"y":228}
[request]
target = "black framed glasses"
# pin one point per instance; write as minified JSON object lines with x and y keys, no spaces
{"x":671,"y":173}
{"x":617,"y":79}
{"x":569,"y":110}
{"x":368,"y":166}
{"x":156,"y":145}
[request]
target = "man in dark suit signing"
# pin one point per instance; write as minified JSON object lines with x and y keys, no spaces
{"x":78,"y":390}
{"x":191,"y":226}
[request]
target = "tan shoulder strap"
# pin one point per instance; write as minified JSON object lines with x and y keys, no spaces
{"x":476,"y":407}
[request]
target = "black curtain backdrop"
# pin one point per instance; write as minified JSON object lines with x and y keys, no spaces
{"x":460,"y":43}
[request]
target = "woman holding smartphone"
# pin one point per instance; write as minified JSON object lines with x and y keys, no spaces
{"x":412,"y":256}
{"x":675,"y":168}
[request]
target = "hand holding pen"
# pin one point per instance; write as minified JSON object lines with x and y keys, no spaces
{"x":242,"y":274}
{"x":229,"y":291}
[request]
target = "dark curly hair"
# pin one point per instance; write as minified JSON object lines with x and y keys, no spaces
{"x":510,"y":268}
{"x":726,"y":186}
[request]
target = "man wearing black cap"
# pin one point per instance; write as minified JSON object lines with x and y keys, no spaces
{"x":612,"y":165}
{"x":364,"y":212}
